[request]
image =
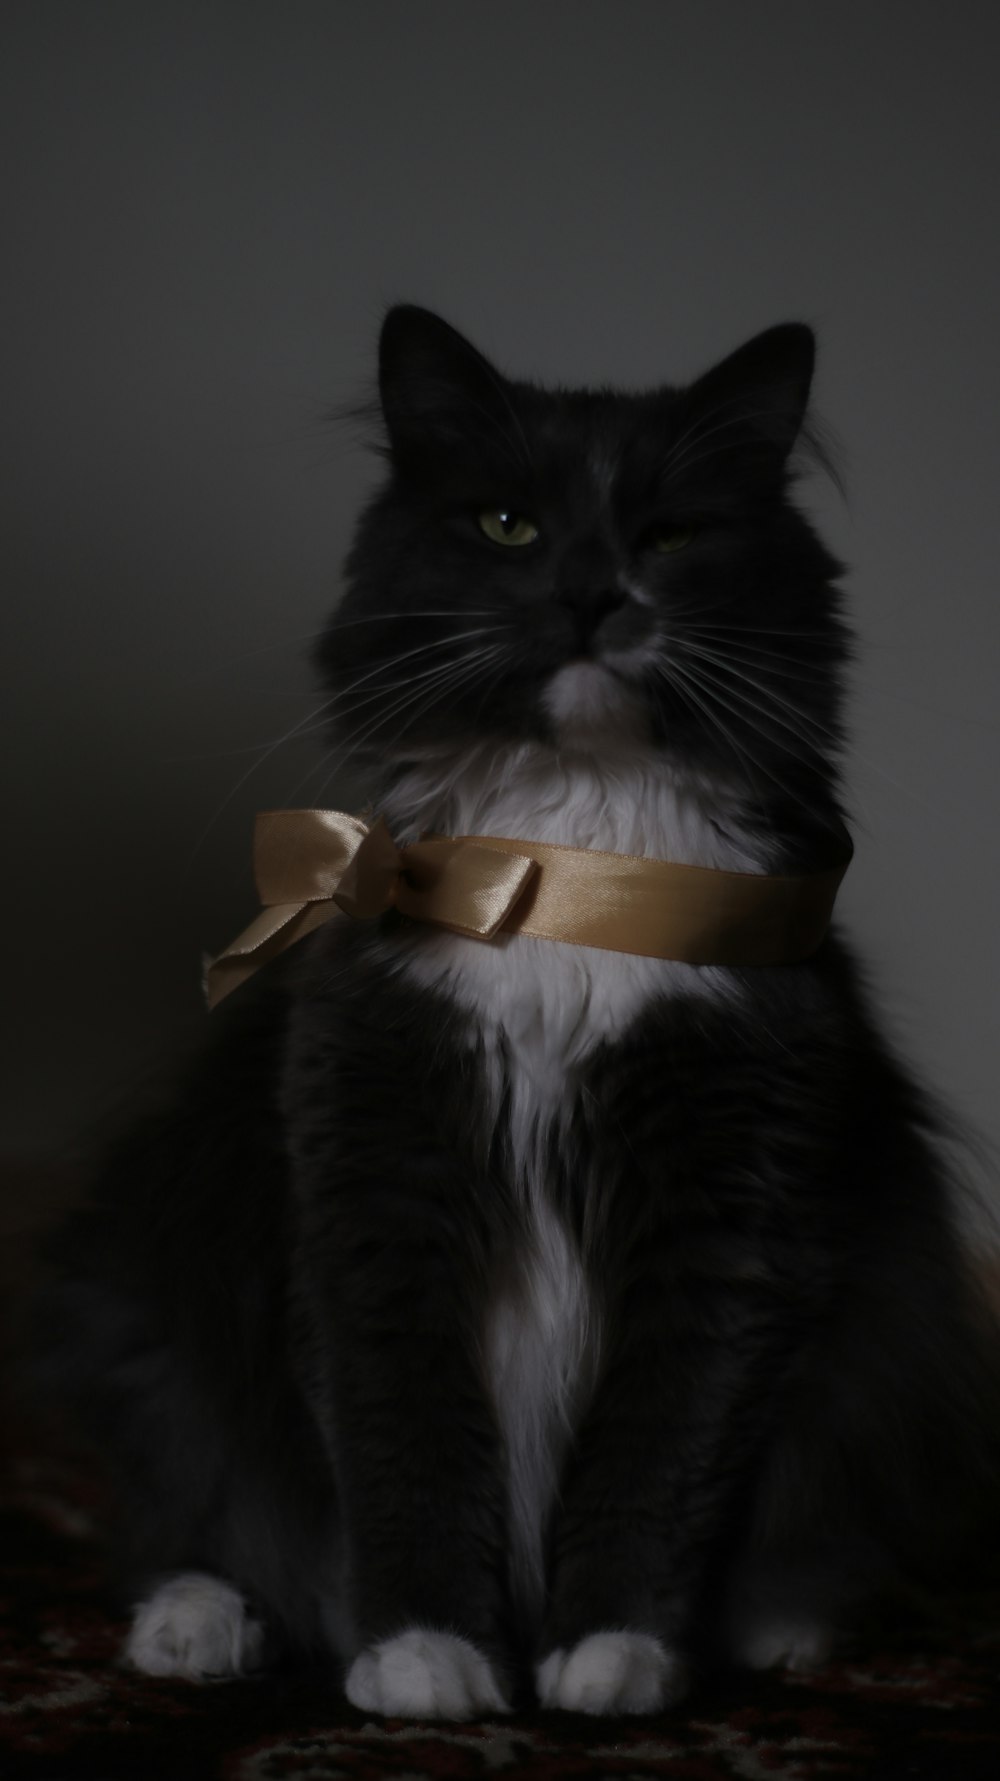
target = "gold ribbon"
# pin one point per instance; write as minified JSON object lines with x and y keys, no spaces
{"x":312,"y":864}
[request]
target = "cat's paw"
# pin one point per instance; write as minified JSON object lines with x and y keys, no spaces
{"x":194,"y":1626}
{"x":422,"y":1674}
{"x":791,"y":1644}
{"x":614,"y":1672}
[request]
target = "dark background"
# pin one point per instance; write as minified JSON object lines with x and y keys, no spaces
{"x":209,"y":207}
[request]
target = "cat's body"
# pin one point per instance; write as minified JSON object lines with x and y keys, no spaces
{"x":511,"y":1309}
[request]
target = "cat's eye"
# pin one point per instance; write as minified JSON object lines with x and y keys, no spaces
{"x":504,"y":527}
{"x":670,"y":538}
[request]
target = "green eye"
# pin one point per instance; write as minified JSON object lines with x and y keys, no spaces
{"x":507,"y":528}
{"x":672,"y":539}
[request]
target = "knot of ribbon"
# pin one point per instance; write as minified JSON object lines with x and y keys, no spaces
{"x":311,"y":865}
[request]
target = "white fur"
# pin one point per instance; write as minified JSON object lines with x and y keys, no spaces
{"x":585,"y":698}
{"x":195,"y":1626}
{"x":422,"y":1674}
{"x":538,"y":1008}
{"x":541,"y":1344}
{"x":612,"y":1672}
{"x":620,"y":792}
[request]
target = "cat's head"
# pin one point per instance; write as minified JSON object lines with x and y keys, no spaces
{"x":588,"y":567}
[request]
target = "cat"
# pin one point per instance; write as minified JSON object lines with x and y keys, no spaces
{"x":513,"y":1320}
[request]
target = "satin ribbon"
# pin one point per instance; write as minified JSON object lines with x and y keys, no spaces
{"x":311,"y":865}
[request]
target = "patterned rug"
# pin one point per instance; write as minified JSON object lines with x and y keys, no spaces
{"x":920,"y":1702}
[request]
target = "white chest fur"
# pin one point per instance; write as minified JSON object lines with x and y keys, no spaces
{"x":538,"y":1008}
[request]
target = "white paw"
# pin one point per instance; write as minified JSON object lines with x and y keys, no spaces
{"x":424,"y":1675}
{"x":612,"y":1673}
{"x":796,"y":1644}
{"x":195,"y":1626}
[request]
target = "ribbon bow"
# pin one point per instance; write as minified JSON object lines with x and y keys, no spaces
{"x":311,"y":865}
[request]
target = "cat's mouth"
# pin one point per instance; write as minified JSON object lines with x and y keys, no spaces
{"x":595,"y":697}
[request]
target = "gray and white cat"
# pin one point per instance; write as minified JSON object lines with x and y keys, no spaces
{"x":512,"y":1321}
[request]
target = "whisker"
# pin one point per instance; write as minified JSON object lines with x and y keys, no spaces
{"x":842,"y":744}
{"x":521,"y":457}
{"x":688,"y":689}
{"x":799,"y":731}
{"x":380,"y":717}
{"x":687,"y":461}
{"x":712,"y":693}
{"x":379,"y":618}
{"x":696,"y":430}
{"x":407,"y":682}
{"x":762,"y":631}
{"x":451,"y":681}
{"x":241,"y":782}
{"x":724,"y":666}
{"x":412,"y":685}
{"x":209,"y":670}
{"x":306,"y":726}
{"x":780,"y":661}
{"x":442,"y":673}
{"x":408,"y":654}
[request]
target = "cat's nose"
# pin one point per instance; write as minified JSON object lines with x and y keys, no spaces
{"x":589,"y":607}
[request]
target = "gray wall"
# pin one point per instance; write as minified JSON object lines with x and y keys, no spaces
{"x":212,"y":205}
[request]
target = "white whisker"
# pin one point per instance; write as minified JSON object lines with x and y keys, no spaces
{"x":407,"y":655}
{"x":804,"y":723}
{"x":450,"y":680}
{"x":694,"y":680}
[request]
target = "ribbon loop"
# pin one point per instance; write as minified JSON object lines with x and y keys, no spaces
{"x":462,"y":886}
{"x":300,"y":856}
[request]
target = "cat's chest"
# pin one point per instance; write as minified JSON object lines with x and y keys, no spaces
{"x":538,"y":1007}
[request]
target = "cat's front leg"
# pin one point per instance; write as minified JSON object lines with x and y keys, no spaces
{"x":650,"y":1500}
{"x":391,"y":1258}
{"x":612,"y":1641}
{"x":417,"y":1463}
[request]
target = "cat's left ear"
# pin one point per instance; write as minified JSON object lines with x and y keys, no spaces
{"x":757,"y":397}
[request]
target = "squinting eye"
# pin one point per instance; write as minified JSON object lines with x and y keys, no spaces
{"x":507,"y":528}
{"x":672,"y":540}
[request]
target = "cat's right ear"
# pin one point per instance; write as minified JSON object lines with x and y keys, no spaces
{"x":437,"y":391}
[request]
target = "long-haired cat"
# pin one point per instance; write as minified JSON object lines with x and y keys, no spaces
{"x":490,"y":1317}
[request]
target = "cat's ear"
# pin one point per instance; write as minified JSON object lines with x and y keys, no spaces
{"x":756,"y":399}
{"x":436,"y":389}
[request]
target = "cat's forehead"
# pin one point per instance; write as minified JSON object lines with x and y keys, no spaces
{"x":603,"y":441}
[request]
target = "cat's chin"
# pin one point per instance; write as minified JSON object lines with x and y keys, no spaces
{"x":588,"y":704}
